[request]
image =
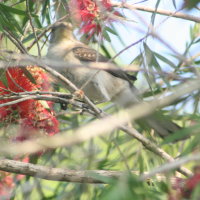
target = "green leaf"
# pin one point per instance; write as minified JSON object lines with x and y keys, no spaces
{"x":12,"y":10}
{"x":198,"y":40}
{"x":191,"y":3}
{"x":106,"y":36}
{"x":137,"y":60}
{"x":28,"y":38}
{"x":195,"y":31}
{"x":164,"y":59}
{"x":45,"y":11}
{"x":149,"y":54}
{"x":196,"y":189}
{"x":105,"y":51}
{"x":110,"y":30}
{"x":8,"y":20}
{"x":37,"y":21}
{"x":182,"y":133}
{"x":154,"y":14}
{"x":3,"y":77}
{"x":151,"y":59}
{"x":28,"y":75}
{"x":174,"y":3}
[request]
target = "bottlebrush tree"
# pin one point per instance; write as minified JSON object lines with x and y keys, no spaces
{"x":56,"y":144}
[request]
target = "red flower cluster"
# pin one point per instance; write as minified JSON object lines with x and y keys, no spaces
{"x":91,"y":14}
{"x":184,"y":188}
{"x":32,"y":116}
{"x":7,"y":182}
{"x":6,"y":185}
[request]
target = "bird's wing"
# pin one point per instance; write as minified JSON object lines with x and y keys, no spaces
{"x":90,"y":55}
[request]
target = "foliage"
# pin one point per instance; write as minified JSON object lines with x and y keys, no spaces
{"x":25,"y":22}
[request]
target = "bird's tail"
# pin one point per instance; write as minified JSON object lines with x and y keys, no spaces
{"x":161,"y":123}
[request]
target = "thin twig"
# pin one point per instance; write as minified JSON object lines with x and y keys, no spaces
{"x":72,"y":86}
{"x":56,"y":99}
{"x":158,"y":11}
{"x":20,"y":94}
{"x":170,"y":166}
{"x":15,"y":41}
{"x":32,"y":26}
{"x":129,"y":46}
{"x":45,"y":31}
{"x":153,"y":148}
{"x":15,"y":83}
{"x":39,"y":97}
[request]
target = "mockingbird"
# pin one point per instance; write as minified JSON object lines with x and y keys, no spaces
{"x":99,"y":85}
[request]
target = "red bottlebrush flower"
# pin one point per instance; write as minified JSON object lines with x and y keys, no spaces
{"x":192,"y":183}
{"x":7,"y":182}
{"x":90,"y":14}
{"x":32,"y":115}
{"x":183,"y":188}
{"x":176,"y":193}
{"x":6,"y":185}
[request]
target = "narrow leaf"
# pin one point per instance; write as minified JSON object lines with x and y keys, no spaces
{"x":28,"y":75}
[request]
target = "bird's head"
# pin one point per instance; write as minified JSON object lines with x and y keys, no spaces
{"x":61,"y":31}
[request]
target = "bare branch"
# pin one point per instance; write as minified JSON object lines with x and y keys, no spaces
{"x":158,"y":11}
{"x":26,"y":60}
{"x":37,"y":92}
{"x":170,"y":166}
{"x":24,"y":96}
{"x":59,"y":174}
{"x":129,"y":46}
{"x":15,"y":41}
{"x":55,"y":174}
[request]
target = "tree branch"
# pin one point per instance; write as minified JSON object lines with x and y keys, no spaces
{"x":26,"y":60}
{"x":59,"y":98}
{"x":59,"y":174}
{"x":15,"y":41}
{"x":170,"y":166}
{"x":158,"y":11}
